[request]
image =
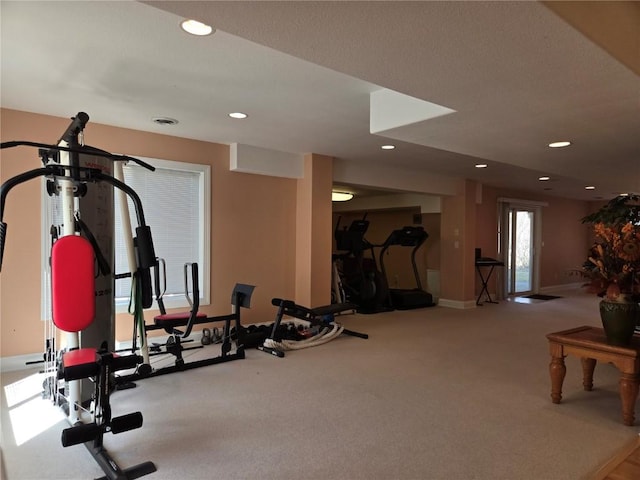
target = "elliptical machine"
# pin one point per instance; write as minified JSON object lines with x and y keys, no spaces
{"x":363,"y":283}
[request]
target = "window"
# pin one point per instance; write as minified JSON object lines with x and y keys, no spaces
{"x":176,"y":202}
{"x":175,"y":199}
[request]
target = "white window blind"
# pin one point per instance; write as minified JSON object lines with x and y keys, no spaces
{"x":175,"y":201}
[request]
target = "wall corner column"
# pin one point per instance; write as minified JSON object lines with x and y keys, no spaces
{"x":458,"y":242}
{"x":313,"y":232}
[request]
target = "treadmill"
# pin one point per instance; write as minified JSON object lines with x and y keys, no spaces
{"x":403,"y":298}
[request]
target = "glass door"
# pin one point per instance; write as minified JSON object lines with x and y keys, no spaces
{"x":520,"y":251}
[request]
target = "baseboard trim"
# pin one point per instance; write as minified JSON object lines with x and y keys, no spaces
{"x":565,"y":286}
{"x":460,"y":304}
{"x":19,"y":362}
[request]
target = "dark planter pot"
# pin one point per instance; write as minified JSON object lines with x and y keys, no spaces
{"x":619,"y":320}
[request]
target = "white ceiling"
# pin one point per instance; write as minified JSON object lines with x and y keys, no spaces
{"x":517,"y":76}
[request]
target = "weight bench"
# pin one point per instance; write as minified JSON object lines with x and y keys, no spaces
{"x":73,"y":303}
{"x":180,"y":325}
{"x":317,"y":317}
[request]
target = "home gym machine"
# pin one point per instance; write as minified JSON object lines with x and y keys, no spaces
{"x":81,"y":295}
{"x":409,"y":298}
{"x":179,"y":326}
{"x":362,"y":283}
{"x":321,"y":325}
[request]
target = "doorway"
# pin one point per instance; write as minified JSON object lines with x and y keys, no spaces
{"x":520,"y":244}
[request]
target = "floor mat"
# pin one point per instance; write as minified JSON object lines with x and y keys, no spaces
{"x":537,"y":296}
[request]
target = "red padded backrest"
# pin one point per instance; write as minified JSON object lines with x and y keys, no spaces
{"x":72,"y":283}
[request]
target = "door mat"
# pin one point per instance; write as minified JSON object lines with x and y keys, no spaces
{"x":537,"y":296}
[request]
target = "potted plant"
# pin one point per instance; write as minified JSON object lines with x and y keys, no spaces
{"x":613,"y":266}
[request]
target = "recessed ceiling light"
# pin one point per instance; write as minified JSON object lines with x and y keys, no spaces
{"x":561,"y":144}
{"x":238,"y":115}
{"x":388,"y":147}
{"x":341,"y":196}
{"x":165,"y":121}
{"x":543,"y":179}
{"x":481,"y":165}
{"x":589,"y":187}
{"x":196,"y":28}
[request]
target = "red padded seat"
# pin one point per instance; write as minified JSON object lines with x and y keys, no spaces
{"x":79,"y":363}
{"x":86,"y":362}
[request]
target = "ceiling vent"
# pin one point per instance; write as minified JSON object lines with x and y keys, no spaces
{"x":165,"y":121}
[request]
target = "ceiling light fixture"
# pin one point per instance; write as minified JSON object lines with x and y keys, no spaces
{"x":341,"y":196}
{"x":388,"y":147}
{"x":544,"y":179}
{"x":589,"y":187}
{"x":238,"y":115}
{"x":481,"y":165}
{"x":196,"y":28}
{"x":561,"y":144}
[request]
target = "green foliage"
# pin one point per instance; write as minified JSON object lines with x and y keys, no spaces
{"x":620,"y":210}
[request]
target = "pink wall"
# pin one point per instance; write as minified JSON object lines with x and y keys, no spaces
{"x":473,"y":214}
{"x":20,"y":326}
{"x":565,"y":239}
{"x":252,"y":232}
{"x":431,"y":223}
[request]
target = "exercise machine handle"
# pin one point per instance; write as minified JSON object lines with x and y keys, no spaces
{"x":146,"y":253}
{"x":143,"y":232}
{"x":3,"y":234}
{"x":80,"y":149}
{"x":4,"y":191}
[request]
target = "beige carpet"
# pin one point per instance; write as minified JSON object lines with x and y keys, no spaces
{"x":436,"y":393}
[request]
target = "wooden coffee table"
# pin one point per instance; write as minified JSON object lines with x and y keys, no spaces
{"x":589,"y":343}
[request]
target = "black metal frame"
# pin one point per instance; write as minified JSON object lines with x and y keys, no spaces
{"x":91,"y":434}
{"x":240,"y":298}
{"x":83,"y":175}
{"x":315,"y":316}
